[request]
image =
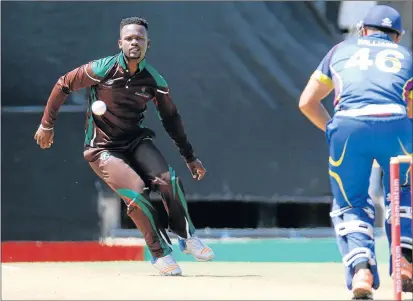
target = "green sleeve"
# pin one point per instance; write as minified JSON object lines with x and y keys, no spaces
{"x":101,"y":66}
{"x":160,"y":81}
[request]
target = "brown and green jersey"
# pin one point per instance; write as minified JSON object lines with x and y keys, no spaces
{"x":126,"y":97}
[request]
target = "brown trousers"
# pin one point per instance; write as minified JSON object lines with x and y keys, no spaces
{"x":128,"y":173}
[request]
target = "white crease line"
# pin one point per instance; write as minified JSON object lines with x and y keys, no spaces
{"x":9,"y":267}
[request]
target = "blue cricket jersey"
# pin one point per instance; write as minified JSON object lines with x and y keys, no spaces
{"x":368,"y":70}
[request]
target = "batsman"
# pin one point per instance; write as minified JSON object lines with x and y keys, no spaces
{"x":372,"y":76}
{"x":119,"y":148}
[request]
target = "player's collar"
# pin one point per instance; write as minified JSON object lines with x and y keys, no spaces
{"x":381,"y":36}
{"x":124,"y":65}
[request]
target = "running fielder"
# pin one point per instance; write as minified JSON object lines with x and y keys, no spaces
{"x":120,"y":149}
{"x":372,"y":79}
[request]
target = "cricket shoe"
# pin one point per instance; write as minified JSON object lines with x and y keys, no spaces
{"x":196,"y":248}
{"x":167,"y":266}
{"x":363,"y":285}
{"x":406,"y":273}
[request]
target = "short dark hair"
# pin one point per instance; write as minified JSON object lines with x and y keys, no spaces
{"x":383,"y":29}
{"x":134,"y":20}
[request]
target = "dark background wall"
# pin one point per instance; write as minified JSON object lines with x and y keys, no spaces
{"x":235,"y":69}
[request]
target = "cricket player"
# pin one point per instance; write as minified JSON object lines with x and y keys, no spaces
{"x":119,"y":148}
{"x":372,"y":77}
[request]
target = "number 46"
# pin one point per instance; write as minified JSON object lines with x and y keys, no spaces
{"x":386,"y":60}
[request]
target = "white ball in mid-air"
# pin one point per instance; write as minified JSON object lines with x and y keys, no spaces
{"x":98,"y":107}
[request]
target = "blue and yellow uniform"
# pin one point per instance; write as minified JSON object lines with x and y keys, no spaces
{"x":373,"y":78}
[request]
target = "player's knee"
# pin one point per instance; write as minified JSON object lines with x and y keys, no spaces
{"x":405,"y":213}
{"x":359,"y":231}
{"x":355,"y":228}
{"x":133,"y":197}
{"x":405,"y":207}
{"x":406,"y":242}
{"x":167,"y":182}
{"x":165,"y":178}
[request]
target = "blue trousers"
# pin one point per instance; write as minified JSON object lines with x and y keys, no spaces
{"x":354,"y":143}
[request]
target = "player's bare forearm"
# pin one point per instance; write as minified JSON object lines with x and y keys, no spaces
{"x":310,"y":103}
{"x":317,"y":114}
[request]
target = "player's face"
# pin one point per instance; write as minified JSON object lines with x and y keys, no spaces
{"x":134,"y":41}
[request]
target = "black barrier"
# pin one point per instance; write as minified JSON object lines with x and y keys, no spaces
{"x":46,"y":194}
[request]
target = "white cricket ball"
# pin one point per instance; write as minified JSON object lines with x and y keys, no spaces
{"x":99,"y":107}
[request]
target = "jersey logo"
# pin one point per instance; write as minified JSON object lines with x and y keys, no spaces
{"x":144,"y":93}
{"x":105,"y":157}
